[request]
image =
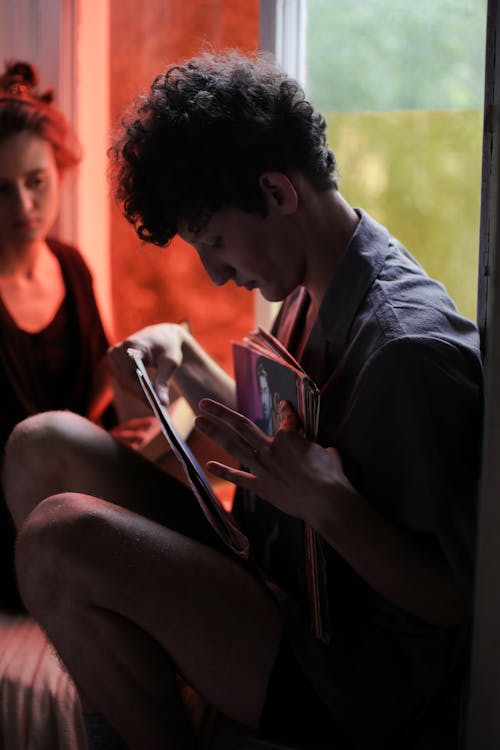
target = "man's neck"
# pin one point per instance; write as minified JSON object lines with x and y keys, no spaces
{"x":334,"y":222}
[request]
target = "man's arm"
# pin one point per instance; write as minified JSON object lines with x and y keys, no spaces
{"x":307,"y":481}
{"x":397,"y":500}
{"x":199,"y":376}
{"x":407,"y":568}
{"x":175,"y":357}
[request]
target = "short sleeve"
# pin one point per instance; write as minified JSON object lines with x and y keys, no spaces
{"x":411,"y":441}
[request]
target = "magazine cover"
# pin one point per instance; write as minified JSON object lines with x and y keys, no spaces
{"x":261,"y":383}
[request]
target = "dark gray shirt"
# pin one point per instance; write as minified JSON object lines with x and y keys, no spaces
{"x":401,"y":397}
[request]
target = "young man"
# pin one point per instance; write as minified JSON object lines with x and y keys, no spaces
{"x":116,"y":560}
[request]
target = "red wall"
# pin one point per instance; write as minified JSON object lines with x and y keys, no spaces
{"x":152,"y":284}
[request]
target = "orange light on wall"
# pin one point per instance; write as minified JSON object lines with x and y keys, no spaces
{"x":151,"y":284}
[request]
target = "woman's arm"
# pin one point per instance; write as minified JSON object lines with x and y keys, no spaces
{"x":102,"y":393}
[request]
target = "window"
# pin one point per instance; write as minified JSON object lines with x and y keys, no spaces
{"x":401,"y":85}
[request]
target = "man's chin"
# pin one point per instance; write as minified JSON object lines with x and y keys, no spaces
{"x":272,"y":295}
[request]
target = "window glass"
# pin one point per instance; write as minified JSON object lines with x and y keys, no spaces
{"x":402,"y":87}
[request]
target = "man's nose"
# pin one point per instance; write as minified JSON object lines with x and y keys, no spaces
{"x":220,"y":273}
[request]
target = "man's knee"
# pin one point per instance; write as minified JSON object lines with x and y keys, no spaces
{"x":34,"y":458}
{"x":52,"y":552}
{"x":31,"y":443}
{"x":36,"y":435}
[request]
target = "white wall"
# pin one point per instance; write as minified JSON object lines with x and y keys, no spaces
{"x":92,"y":126}
{"x":68,"y":42}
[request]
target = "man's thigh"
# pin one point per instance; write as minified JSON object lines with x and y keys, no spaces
{"x":60,"y":452}
{"x":212,"y":615}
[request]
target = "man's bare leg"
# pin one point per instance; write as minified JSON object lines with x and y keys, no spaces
{"x":128,"y":603}
{"x":58,"y":452}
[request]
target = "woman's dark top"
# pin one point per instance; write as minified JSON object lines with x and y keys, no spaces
{"x":49,"y":369}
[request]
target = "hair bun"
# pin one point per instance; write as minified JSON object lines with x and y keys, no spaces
{"x":20,"y":72}
{"x":20,"y":78}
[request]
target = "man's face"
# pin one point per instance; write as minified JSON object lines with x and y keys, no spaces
{"x":265,"y":395}
{"x":253,"y":251}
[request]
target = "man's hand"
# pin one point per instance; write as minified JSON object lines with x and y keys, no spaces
{"x":161,"y":347}
{"x":307,"y":481}
{"x":292,"y":473}
{"x":172,"y":354}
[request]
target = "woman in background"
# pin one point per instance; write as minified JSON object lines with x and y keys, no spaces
{"x":52,"y":339}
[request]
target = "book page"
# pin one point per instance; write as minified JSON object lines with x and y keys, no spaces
{"x":219,"y":518}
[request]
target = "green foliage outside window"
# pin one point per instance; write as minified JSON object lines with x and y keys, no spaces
{"x":402,"y":86}
{"x":395,"y":54}
{"x":418,"y":173}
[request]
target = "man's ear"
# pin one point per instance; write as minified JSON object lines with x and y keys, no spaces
{"x":279,"y":191}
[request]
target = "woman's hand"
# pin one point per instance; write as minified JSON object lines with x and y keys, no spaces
{"x":161,"y":347}
{"x":292,"y":473}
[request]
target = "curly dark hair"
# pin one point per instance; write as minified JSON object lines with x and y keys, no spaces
{"x":23,"y":108}
{"x":202,"y":136}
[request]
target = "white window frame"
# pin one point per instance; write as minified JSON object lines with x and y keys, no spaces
{"x":282,"y":32}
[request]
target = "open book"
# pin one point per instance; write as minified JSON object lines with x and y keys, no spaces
{"x":266,"y":373}
{"x":220,"y":520}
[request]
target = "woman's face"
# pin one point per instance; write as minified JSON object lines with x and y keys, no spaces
{"x":29,"y":189}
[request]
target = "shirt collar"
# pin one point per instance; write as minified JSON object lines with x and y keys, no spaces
{"x":359,"y":267}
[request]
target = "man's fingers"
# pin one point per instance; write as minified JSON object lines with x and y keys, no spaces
{"x":288,"y":418}
{"x":233,"y":420}
{"x":241,"y":478}
{"x":232,"y":441}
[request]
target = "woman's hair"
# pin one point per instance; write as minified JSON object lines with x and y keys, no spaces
{"x":203,"y":135}
{"x":23,"y":108}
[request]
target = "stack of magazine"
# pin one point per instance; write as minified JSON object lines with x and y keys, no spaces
{"x":266,"y":374}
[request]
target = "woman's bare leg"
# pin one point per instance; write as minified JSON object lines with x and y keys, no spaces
{"x":129,"y":603}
